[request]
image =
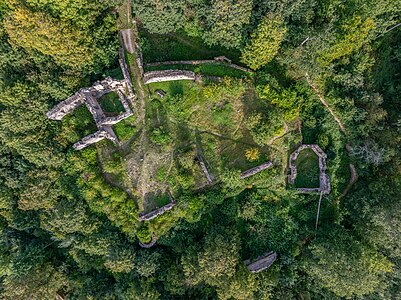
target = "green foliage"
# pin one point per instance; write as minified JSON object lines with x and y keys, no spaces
{"x":160,"y":17}
{"x":68,"y":227}
{"x":160,"y":137}
{"x":330,"y":263}
{"x":307,"y":164}
{"x":354,"y":35}
{"x":265,"y":42}
{"x":224,"y":22}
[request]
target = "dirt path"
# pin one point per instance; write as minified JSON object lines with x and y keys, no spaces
{"x":127,"y":37}
{"x":279,"y":136}
{"x":321,"y":98}
{"x":354,"y":173}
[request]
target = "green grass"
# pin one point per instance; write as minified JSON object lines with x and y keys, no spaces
{"x":156,"y":200}
{"x":179,"y":46}
{"x":125,"y":129}
{"x":307,"y":164}
{"x":207,"y":69}
{"x":111,"y":104}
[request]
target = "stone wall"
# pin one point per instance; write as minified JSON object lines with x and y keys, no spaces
{"x":65,"y":107}
{"x":168,"y":75}
{"x":139,"y":59}
{"x":324,"y":179}
{"x":150,"y":244}
{"x":125,"y":71}
{"x":157,"y":212}
{"x":204,"y":169}
{"x":261,"y":263}
{"x":99,"y":135}
{"x":255,"y":170}
{"x":222,"y":60}
{"x":89,"y":96}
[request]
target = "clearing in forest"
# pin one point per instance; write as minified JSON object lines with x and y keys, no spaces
{"x":307,"y":164}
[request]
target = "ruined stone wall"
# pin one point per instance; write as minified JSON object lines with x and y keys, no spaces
{"x":255,"y":170}
{"x":324,"y":179}
{"x":168,"y":75}
{"x":157,"y":212}
{"x":150,"y":244}
{"x":125,"y":71}
{"x":221,"y":60}
{"x":204,"y":169}
{"x":89,"y":96}
{"x":153,"y":214}
{"x":88,"y":140}
{"x":65,"y":107}
{"x":261,"y":263}
{"x":139,"y":59}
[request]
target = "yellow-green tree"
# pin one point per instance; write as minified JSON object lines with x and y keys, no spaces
{"x":355,"y":33}
{"x":41,"y":32}
{"x":265,"y":42}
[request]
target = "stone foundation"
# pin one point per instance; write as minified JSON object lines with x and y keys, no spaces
{"x":324,"y":179}
{"x":89,"y":96}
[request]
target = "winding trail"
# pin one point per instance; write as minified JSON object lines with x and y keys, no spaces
{"x":354,"y":173}
{"x":321,"y":98}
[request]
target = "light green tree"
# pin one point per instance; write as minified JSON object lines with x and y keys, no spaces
{"x":265,"y":42}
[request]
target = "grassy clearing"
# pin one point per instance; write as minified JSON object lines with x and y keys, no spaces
{"x":111,"y":104}
{"x":155,"y":200}
{"x":225,"y":154}
{"x":125,"y":129}
{"x":77,"y":125}
{"x":207,"y":69}
{"x":179,"y":46}
{"x":307,"y":165}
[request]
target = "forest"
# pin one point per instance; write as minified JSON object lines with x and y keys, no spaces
{"x":306,"y":72}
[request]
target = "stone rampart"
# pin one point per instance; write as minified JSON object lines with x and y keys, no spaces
{"x":204,"y":169}
{"x":168,"y":75}
{"x":139,"y":59}
{"x":221,"y":60}
{"x":150,"y":244}
{"x":126,"y":74}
